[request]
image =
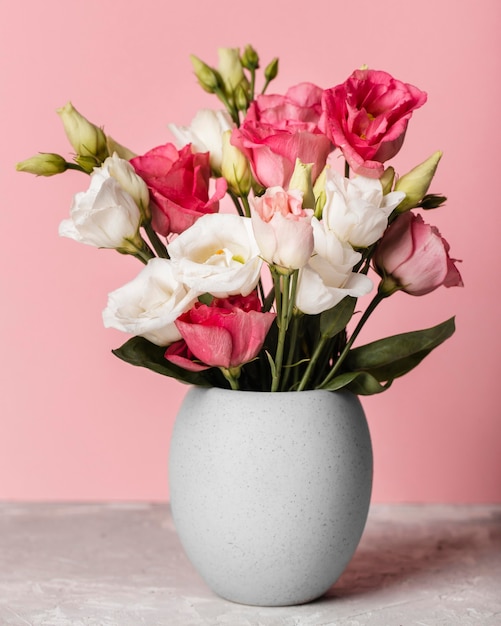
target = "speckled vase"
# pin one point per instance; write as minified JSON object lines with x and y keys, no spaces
{"x":270,"y":491}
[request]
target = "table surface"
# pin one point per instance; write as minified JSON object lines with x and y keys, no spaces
{"x":122,"y":565}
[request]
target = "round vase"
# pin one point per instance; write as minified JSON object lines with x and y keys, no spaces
{"x":270,"y":491}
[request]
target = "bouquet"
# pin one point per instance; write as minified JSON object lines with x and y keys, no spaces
{"x":263,"y":296}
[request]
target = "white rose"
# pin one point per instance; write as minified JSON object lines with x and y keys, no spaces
{"x":205,"y":133}
{"x":150,"y":303}
{"x":356,"y":209}
{"x":218,"y":255}
{"x":104,"y":216}
{"x":328,"y":277}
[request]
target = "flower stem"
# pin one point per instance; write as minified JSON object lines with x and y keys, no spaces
{"x":156,"y":242}
{"x":285,"y":297}
{"x":379,"y":297}
{"x":245,"y":202}
{"x":75,"y":166}
{"x":236,"y":202}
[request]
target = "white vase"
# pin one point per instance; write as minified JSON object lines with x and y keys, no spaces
{"x":270,"y":491}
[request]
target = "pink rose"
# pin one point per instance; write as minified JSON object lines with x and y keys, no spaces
{"x":220,"y":335}
{"x":367,"y":116}
{"x":282,"y":228}
{"x":279,"y":129}
{"x":179,"y":186}
{"x":416,"y":256}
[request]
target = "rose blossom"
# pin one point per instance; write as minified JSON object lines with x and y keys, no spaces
{"x":356,"y":209}
{"x":416,"y":256}
{"x":218,"y":255}
{"x":104,"y":216}
{"x":328,"y":276}
{"x":205,"y":134}
{"x":150,"y":303}
{"x":367,"y":116}
{"x":179,"y":185}
{"x":279,"y":129}
{"x":283,"y":228}
{"x":220,"y":335}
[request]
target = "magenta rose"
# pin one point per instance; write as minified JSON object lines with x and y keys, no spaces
{"x":415,"y":257}
{"x":227,"y":334}
{"x":179,"y":186}
{"x":279,"y":129}
{"x":366,"y":117}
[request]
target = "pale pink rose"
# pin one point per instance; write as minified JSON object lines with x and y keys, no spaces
{"x":416,"y":256}
{"x":277,"y":130}
{"x":366,"y":117}
{"x":220,"y":335}
{"x":179,"y":186}
{"x":282,"y":228}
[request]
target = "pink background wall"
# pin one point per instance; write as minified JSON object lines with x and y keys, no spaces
{"x":77,"y":423}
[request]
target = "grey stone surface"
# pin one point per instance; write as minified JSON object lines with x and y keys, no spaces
{"x":122,"y":565}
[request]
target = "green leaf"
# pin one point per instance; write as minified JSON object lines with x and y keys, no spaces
{"x":334,"y":320}
{"x":392,"y":357}
{"x":141,"y":352}
{"x":361,"y":383}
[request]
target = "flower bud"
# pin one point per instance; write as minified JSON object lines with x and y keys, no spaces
{"x":387,"y":179}
{"x":121,"y":151}
{"x":86,"y":138}
{"x":43,"y":164}
{"x":416,"y":182}
{"x":271,"y":70}
{"x":235,"y":167}
{"x":319,"y":192}
{"x":301,"y":180}
{"x":241,"y":97}
{"x":230,"y":69}
{"x":250,"y":58}
{"x":208,"y":78}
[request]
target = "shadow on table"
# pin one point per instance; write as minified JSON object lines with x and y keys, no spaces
{"x":407,"y":550}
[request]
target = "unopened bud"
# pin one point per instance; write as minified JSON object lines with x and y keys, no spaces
{"x":43,"y":164}
{"x":87,"y":139}
{"x":230,"y":69}
{"x":415,"y":183}
{"x":241,"y":97}
{"x":271,"y":70}
{"x":250,"y":58}
{"x":387,"y":179}
{"x":206,"y":76}
{"x":115,"y":148}
{"x":319,"y":192}
{"x":235,"y":168}
{"x":301,"y":180}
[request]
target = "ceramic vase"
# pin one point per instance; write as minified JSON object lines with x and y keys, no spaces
{"x":270,"y":491}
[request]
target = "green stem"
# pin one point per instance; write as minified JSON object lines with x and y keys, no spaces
{"x":268,"y":81}
{"x":229,"y":107}
{"x":75,"y":166}
{"x":143,"y":256}
{"x":346,"y":169}
{"x":312,"y":363}
{"x":252,"y":83}
{"x":379,"y":297}
{"x":292,"y":348}
{"x":245,"y":202}
{"x":156,"y":242}
{"x":236,"y":202}
{"x":285,"y":298}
